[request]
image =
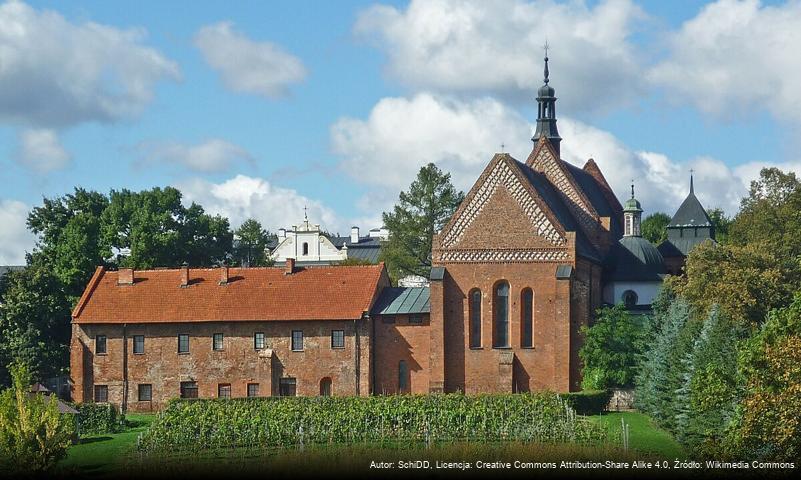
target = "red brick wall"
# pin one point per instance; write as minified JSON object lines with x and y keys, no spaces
{"x":238,"y":364}
{"x":477,"y":370}
{"x":401,"y":341}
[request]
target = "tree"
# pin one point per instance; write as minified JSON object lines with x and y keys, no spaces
{"x":611,"y":350}
{"x":769,"y":214}
{"x":33,"y":434}
{"x":745,"y":281}
{"x":158,"y":231}
{"x":34,"y":322}
{"x":654,"y":227}
{"x":421,"y":212}
{"x":68,"y":237}
{"x":250,"y":249}
{"x":722,"y":224}
{"x":768,"y":423}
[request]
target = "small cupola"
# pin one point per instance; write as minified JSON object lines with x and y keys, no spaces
{"x":632,"y":216}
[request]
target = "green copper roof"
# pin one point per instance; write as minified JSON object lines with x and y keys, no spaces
{"x":400,"y":301}
{"x":635,"y":259}
{"x":632,"y":205}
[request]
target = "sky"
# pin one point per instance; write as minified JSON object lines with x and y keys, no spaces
{"x":261,"y":109}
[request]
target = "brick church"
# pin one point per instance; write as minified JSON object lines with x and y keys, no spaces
{"x":535,"y":248}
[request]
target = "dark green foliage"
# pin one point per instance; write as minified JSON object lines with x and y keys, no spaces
{"x":722,"y":224}
{"x":654,"y":227}
{"x":588,"y":402}
{"x":186,"y":426}
{"x":611,"y":350}
{"x":98,"y":418}
{"x":421,"y":212}
{"x":34,"y":322}
{"x":251,"y":245}
{"x":654,"y":390}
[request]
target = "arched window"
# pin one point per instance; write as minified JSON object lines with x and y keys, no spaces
{"x":403,"y":377}
{"x":305,"y":248}
{"x":325,"y":387}
{"x":527,"y":318}
{"x":501,"y":310}
{"x":629,"y":298}
{"x":475,"y":318}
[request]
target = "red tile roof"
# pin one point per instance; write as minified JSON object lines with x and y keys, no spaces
{"x":312,"y":293}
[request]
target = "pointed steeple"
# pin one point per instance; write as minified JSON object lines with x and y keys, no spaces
{"x":691,"y":183}
{"x":546,"y":111}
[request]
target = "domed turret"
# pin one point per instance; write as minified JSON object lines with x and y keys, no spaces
{"x":546,"y":112}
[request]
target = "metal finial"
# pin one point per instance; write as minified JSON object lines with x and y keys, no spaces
{"x":305,"y":214}
{"x":546,"y":61}
{"x":691,"y":181}
{"x":632,"y":189}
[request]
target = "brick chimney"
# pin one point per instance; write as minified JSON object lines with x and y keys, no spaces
{"x":185,"y":275}
{"x":224,"y":274}
{"x":125,"y":276}
{"x":290,"y":266}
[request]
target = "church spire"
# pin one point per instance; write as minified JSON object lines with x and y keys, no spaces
{"x":691,"y":183}
{"x":546,"y":111}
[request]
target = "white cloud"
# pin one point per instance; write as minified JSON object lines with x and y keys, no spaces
{"x":737,"y":57}
{"x":243,"y":197}
{"x":385,"y":151}
{"x":213,"y":155}
{"x":15,"y":239}
{"x":496,"y":47}
{"x":40,"y":150}
{"x":261,"y":68}
{"x":57,"y":73}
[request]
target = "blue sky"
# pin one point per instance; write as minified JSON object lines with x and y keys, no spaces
{"x":261,"y":108}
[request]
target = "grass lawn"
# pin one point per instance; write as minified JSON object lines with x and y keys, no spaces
{"x":644,"y":436}
{"x":103,"y":455}
{"x":112,"y":455}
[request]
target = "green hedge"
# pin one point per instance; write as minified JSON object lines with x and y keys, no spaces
{"x":588,"y":402}
{"x":190,"y":425}
{"x":98,"y":418}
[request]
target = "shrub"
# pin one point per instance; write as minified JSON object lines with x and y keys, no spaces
{"x":280,"y":422}
{"x":33,"y":434}
{"x":611,"y":349}
{"x":588,"y":402}
{"x":98,"y":418}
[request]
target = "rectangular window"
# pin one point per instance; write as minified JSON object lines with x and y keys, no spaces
{"x":145,"y":392}
{"x":297,"y":340}
{"x":415,"y":319}
{"x":183,"y":343}
{"x":259,"y":341}
{"x":253,"y":389}
{"x":337,"y":338}
{"x":139,"y":344}
{"x":217,"y":342}
{"x":388,"y":318}
{"x":101,"y":345}
{"x":188,"y":389}
{"x":224,"y":390}
{"x":101,"y":393}
{"x":287,"y":387}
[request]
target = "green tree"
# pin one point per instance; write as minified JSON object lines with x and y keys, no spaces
{"x":68,"y":237}
{"x":768,"y":421}
{"x":769,"y":214}
{"x":251,"y":244}
{"x":33,"y":434}
{"x":420,"y":213}
{"x":158,"y":231}
{"x":34,"y":322}
{"x":611,"y":350}
{"x":654,"y":227}
{"x":722,"y":224}
{"x":745,"y":281}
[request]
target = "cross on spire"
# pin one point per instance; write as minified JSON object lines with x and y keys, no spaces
{"x":305,"y":214}
{"x":545,"y":47}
